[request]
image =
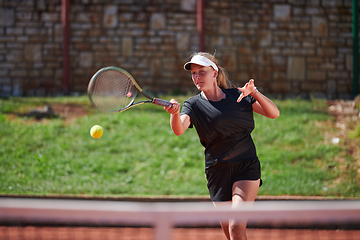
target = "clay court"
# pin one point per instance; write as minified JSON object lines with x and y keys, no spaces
{"x":63,"y":233}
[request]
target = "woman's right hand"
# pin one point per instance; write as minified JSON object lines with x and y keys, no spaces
{"x":174,"y":108}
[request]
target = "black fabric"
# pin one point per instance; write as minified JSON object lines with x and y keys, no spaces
{"x":223,"y":127}
{"x":221,"y":180}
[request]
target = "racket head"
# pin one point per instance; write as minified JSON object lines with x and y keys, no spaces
{"x":112,"y":89}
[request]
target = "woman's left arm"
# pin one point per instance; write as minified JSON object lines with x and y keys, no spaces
{"x":263,"y":105}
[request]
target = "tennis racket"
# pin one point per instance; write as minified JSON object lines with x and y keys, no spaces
{"x":113,"y":89}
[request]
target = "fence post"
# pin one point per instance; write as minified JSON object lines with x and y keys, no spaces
{"x":200,"y":24}
{"x":65,"y":23}
{"x":163,"y":226}
{"x":355,"y":31}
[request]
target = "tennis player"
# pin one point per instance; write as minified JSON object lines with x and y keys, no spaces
{"x":223,"y":118}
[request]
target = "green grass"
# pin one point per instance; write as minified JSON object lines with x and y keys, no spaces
{"x":138,"y":154}
{"x":355,"y":133}
{"x":295,"y":160}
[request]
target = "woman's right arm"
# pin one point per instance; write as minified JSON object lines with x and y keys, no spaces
{"x":178,"y":123}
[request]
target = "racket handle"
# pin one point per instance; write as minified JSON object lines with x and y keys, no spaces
{"x":161,"y":102}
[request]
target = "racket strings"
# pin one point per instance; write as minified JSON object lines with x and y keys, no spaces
{"x":112,"y":90}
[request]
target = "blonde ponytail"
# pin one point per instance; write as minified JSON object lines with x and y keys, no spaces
{"x":222,"y":78}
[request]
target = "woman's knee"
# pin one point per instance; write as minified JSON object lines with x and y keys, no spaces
{"x":245,"y":190}
{"x":237,"y":230}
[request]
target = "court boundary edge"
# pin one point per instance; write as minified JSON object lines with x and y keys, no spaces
{"x":173,"y":198}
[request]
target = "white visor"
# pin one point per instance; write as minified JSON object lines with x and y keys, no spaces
{"x":200,"y":60}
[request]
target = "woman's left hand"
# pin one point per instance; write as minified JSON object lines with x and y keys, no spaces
{"x":248,"y":88}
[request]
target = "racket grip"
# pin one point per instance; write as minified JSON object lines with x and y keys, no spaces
{"x":161,"y":102}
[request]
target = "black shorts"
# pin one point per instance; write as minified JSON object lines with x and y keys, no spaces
{"x":220,"y":180}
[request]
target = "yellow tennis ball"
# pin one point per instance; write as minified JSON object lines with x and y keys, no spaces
{"x":96,"y":131}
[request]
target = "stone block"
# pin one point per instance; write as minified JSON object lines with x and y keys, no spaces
{"x":22,"y":39}
{"x":265,"y":38}
{"x":297,"y":2}
{"x":47,"y":72}
{"x":316,"y":75}
{"x":273,"y":50}
{"x":110,"y":19}
{"x":38,"y":32}
{"x":217,"y":40}
{"x":157,"y":21}
{"x":188,"y":5}
{"x":332,"y":3}
{"x":5,"y":89}
{"x":314,"y":11}
{"x":244,"y":50}
{"x":247,"y":59}
{"x":127,"y":46}
{"x":23,"y":16}
{"x":40,"y":5}
{"x":158,"y":40}
{"x":33,"y":52}
{"x":280,"y":87}
{"x":17,"y":89}
{"x":86,"y":59}
{"x":331,"y":89}
{"x":304,"y":26}
{"x":326,"y":52}
{"x":50,"y":17}
{"x":328,"y":66}
{"x":313,"y":2}
{"x":3,"y":73}
{"x":170,"y":63}
{"x":19,"y":73}
{"x":308,"y":43}
{"x":307,"y":51}
{"x":224,"y":27}
{"x":155,"y":67}
{"x":349,"y":62}
{"x":314,"y":60}
{"x":167,"y":48}
{"x":14,"y":31}
{"x":319,"y":27}
{"x":182,"y":41}
{"x":298,"y":11}
{"x":7,"y":16}
{"x":264,"y":77}
{"x":83,"y":17}
{"x":296,"y":68}
{"x":264,"y":59}
{"x":242,"y":77}
{"x":126,"y":17}
{"x":311,"y":86}
{"x":279,"y":76}
{"x":229,"y":61}
{"x":282,"y":12}
{"x":14,"y":56}
{"x":5,"y":79}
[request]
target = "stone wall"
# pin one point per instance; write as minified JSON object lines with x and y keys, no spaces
{"x":290,"y":47}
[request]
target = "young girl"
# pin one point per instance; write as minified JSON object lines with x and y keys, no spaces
{"x":223,"y":119}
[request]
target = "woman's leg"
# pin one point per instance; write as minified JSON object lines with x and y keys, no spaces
{"x":224,"y":225}
{"x":245,"y":190}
